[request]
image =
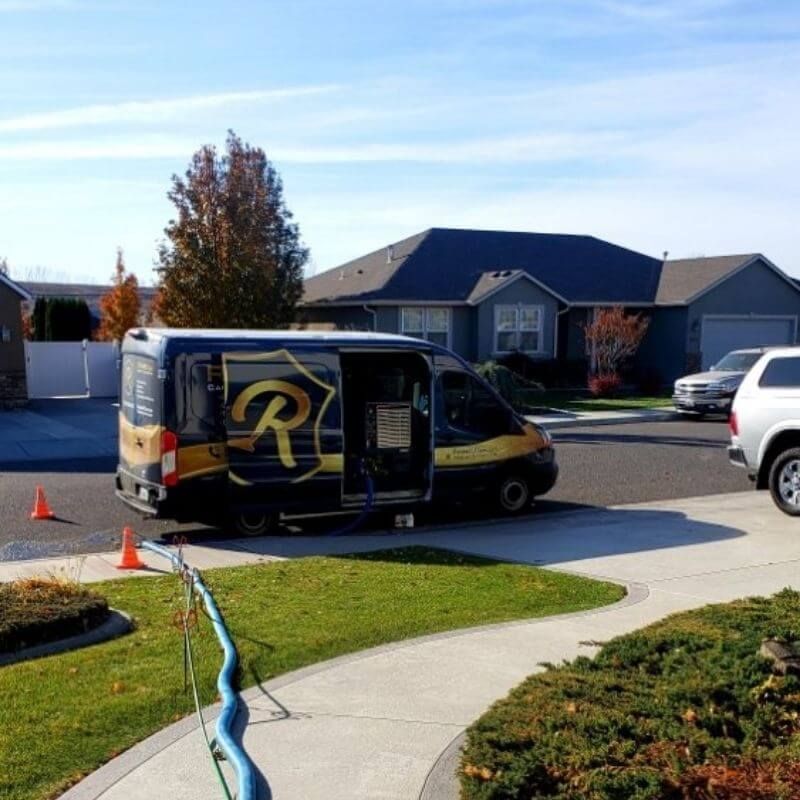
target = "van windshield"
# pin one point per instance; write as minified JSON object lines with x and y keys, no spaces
{"x":141,"y":391}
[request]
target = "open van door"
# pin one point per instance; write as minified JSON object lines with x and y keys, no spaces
{"x":387,"y":421}
{"x":282,"y":420}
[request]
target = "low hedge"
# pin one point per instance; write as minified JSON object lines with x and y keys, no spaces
{"x":685,"y":708}
{"x":35,"y":611}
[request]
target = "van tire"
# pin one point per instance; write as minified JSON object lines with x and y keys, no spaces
{"x":254,"y":523}
{"x":513,"y":494}
{"x":784,"y":467}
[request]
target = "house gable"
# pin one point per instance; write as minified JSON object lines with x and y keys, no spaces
{"x":22,"y":293}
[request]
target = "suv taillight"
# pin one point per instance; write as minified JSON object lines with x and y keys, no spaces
{"x":733,"y":424}
{"x":169,"y":458}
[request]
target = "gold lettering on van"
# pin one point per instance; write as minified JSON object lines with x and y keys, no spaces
{"x":269,"y":419}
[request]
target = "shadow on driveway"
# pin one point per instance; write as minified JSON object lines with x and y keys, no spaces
{"x":536,"y":539}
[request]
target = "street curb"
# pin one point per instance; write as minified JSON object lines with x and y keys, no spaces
{"x":105,"y":777}
{"x":117,"y":624}
{"x":654,"y":416}
{"x":441,"y":782}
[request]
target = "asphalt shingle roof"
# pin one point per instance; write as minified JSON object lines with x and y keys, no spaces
{"x":683,"y":278}
{"x":455,"y":265}
{"x":447,"y":264}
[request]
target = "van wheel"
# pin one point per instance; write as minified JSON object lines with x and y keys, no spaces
{"x":513,"y":495}
{"x":254,"y":523}
{"x":784,"y":481}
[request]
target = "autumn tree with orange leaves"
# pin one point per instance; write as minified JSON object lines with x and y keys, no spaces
{"x":119,"y":308}
{"x":232,"y":257}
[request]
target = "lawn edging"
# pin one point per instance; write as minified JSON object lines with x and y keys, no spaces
{"x":118,"y":623}
{"x":101,"y":780}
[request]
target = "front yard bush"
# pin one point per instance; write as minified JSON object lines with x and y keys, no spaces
{"x":606,"y":385}
{"x":34,"y":611}
{"x":683,"y":709}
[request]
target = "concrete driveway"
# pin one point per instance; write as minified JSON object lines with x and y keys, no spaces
{"x":386,"y":723}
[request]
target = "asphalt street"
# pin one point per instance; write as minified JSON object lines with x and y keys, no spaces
{"x":600,"y":466}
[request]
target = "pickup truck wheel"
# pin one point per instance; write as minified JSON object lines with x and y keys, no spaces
{"x":784,"y":481}
{"x":513,"y":494}
{"x":254,"y":523}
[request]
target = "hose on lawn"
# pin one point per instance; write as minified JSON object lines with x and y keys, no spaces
{"x":224,"y":737}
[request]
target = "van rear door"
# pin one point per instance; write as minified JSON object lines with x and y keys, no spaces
{"x":140,"y":419}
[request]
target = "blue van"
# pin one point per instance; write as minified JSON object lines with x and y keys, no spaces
{"x":238,"y":425}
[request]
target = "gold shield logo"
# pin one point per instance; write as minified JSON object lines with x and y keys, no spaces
{"x":279,"y":410}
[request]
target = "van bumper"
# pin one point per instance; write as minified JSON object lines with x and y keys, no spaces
{"x":543,"y":474}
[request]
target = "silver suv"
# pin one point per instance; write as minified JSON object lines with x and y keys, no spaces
{"x":765,"y":426}
{"x":712,"y":392}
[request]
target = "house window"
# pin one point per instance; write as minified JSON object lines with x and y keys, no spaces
{"x":432,"y":324}
{"x":518,"y":328}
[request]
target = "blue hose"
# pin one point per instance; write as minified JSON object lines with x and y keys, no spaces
{"x":245,"y":772}
{"x":353,"y":524}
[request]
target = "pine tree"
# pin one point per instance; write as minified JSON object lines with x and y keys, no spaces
{"x":233,"y":257}
{"x":119,"y":308}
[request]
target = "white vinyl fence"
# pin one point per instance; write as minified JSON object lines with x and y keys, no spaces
{"x":69,"y":369}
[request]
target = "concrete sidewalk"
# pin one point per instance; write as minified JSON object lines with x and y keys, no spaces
{"x":376,"y":724}
{"x":557,"y":418}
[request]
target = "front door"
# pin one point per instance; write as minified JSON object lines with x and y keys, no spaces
{"x":282,"y":418}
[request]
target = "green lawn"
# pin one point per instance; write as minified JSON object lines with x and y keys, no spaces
{"x":63,"y":716}
{"x":569,"y":401}
{"x":684,"y":709}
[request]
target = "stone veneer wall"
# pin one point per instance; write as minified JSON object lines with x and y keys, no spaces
{"x":13,"y":389}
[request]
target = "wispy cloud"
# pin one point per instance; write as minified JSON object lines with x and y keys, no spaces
{"x":518,"y":149}
{"x":36,"y":5}
{"x":149,"y":111}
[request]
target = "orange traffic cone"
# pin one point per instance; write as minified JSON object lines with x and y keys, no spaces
{"x":41,"y":509}
{"x":130,"y":558}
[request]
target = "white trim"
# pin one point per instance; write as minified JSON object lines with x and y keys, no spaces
{"x":510,"y":282}
{"x":423,"y":334}
{"x":734,"y":317}
{"x":518,"y":307}
{"x":757,"y":257}
{"x":15,"y":287}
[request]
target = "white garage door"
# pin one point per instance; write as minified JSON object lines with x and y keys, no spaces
{"x":721,"y":335}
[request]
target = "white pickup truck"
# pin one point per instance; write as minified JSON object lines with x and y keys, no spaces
{"x":765,"y":426}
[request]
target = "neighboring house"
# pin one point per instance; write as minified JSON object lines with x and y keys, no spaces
{"x":488,"y":293}
{"x":13,"y":389}
{"x":90,"y":292}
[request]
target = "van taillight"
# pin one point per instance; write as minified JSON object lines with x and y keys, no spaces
{"x":733,"y":424}
{"x":169,"y":458}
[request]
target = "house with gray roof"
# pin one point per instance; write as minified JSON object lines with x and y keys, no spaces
{"x":92,"y":293}
{"x":486,"y":294}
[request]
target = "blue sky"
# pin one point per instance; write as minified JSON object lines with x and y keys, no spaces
{"x":668,"y":125}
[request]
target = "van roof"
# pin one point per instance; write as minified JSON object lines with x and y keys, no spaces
{"x":222,"y":335}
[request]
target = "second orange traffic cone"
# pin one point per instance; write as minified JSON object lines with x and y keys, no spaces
{"x":130,"y":558}
{"x":41,"y":508}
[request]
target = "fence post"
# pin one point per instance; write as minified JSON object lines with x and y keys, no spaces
{"x":85,"y":346}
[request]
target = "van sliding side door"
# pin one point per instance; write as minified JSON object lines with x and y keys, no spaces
{"x":282,"y":420}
